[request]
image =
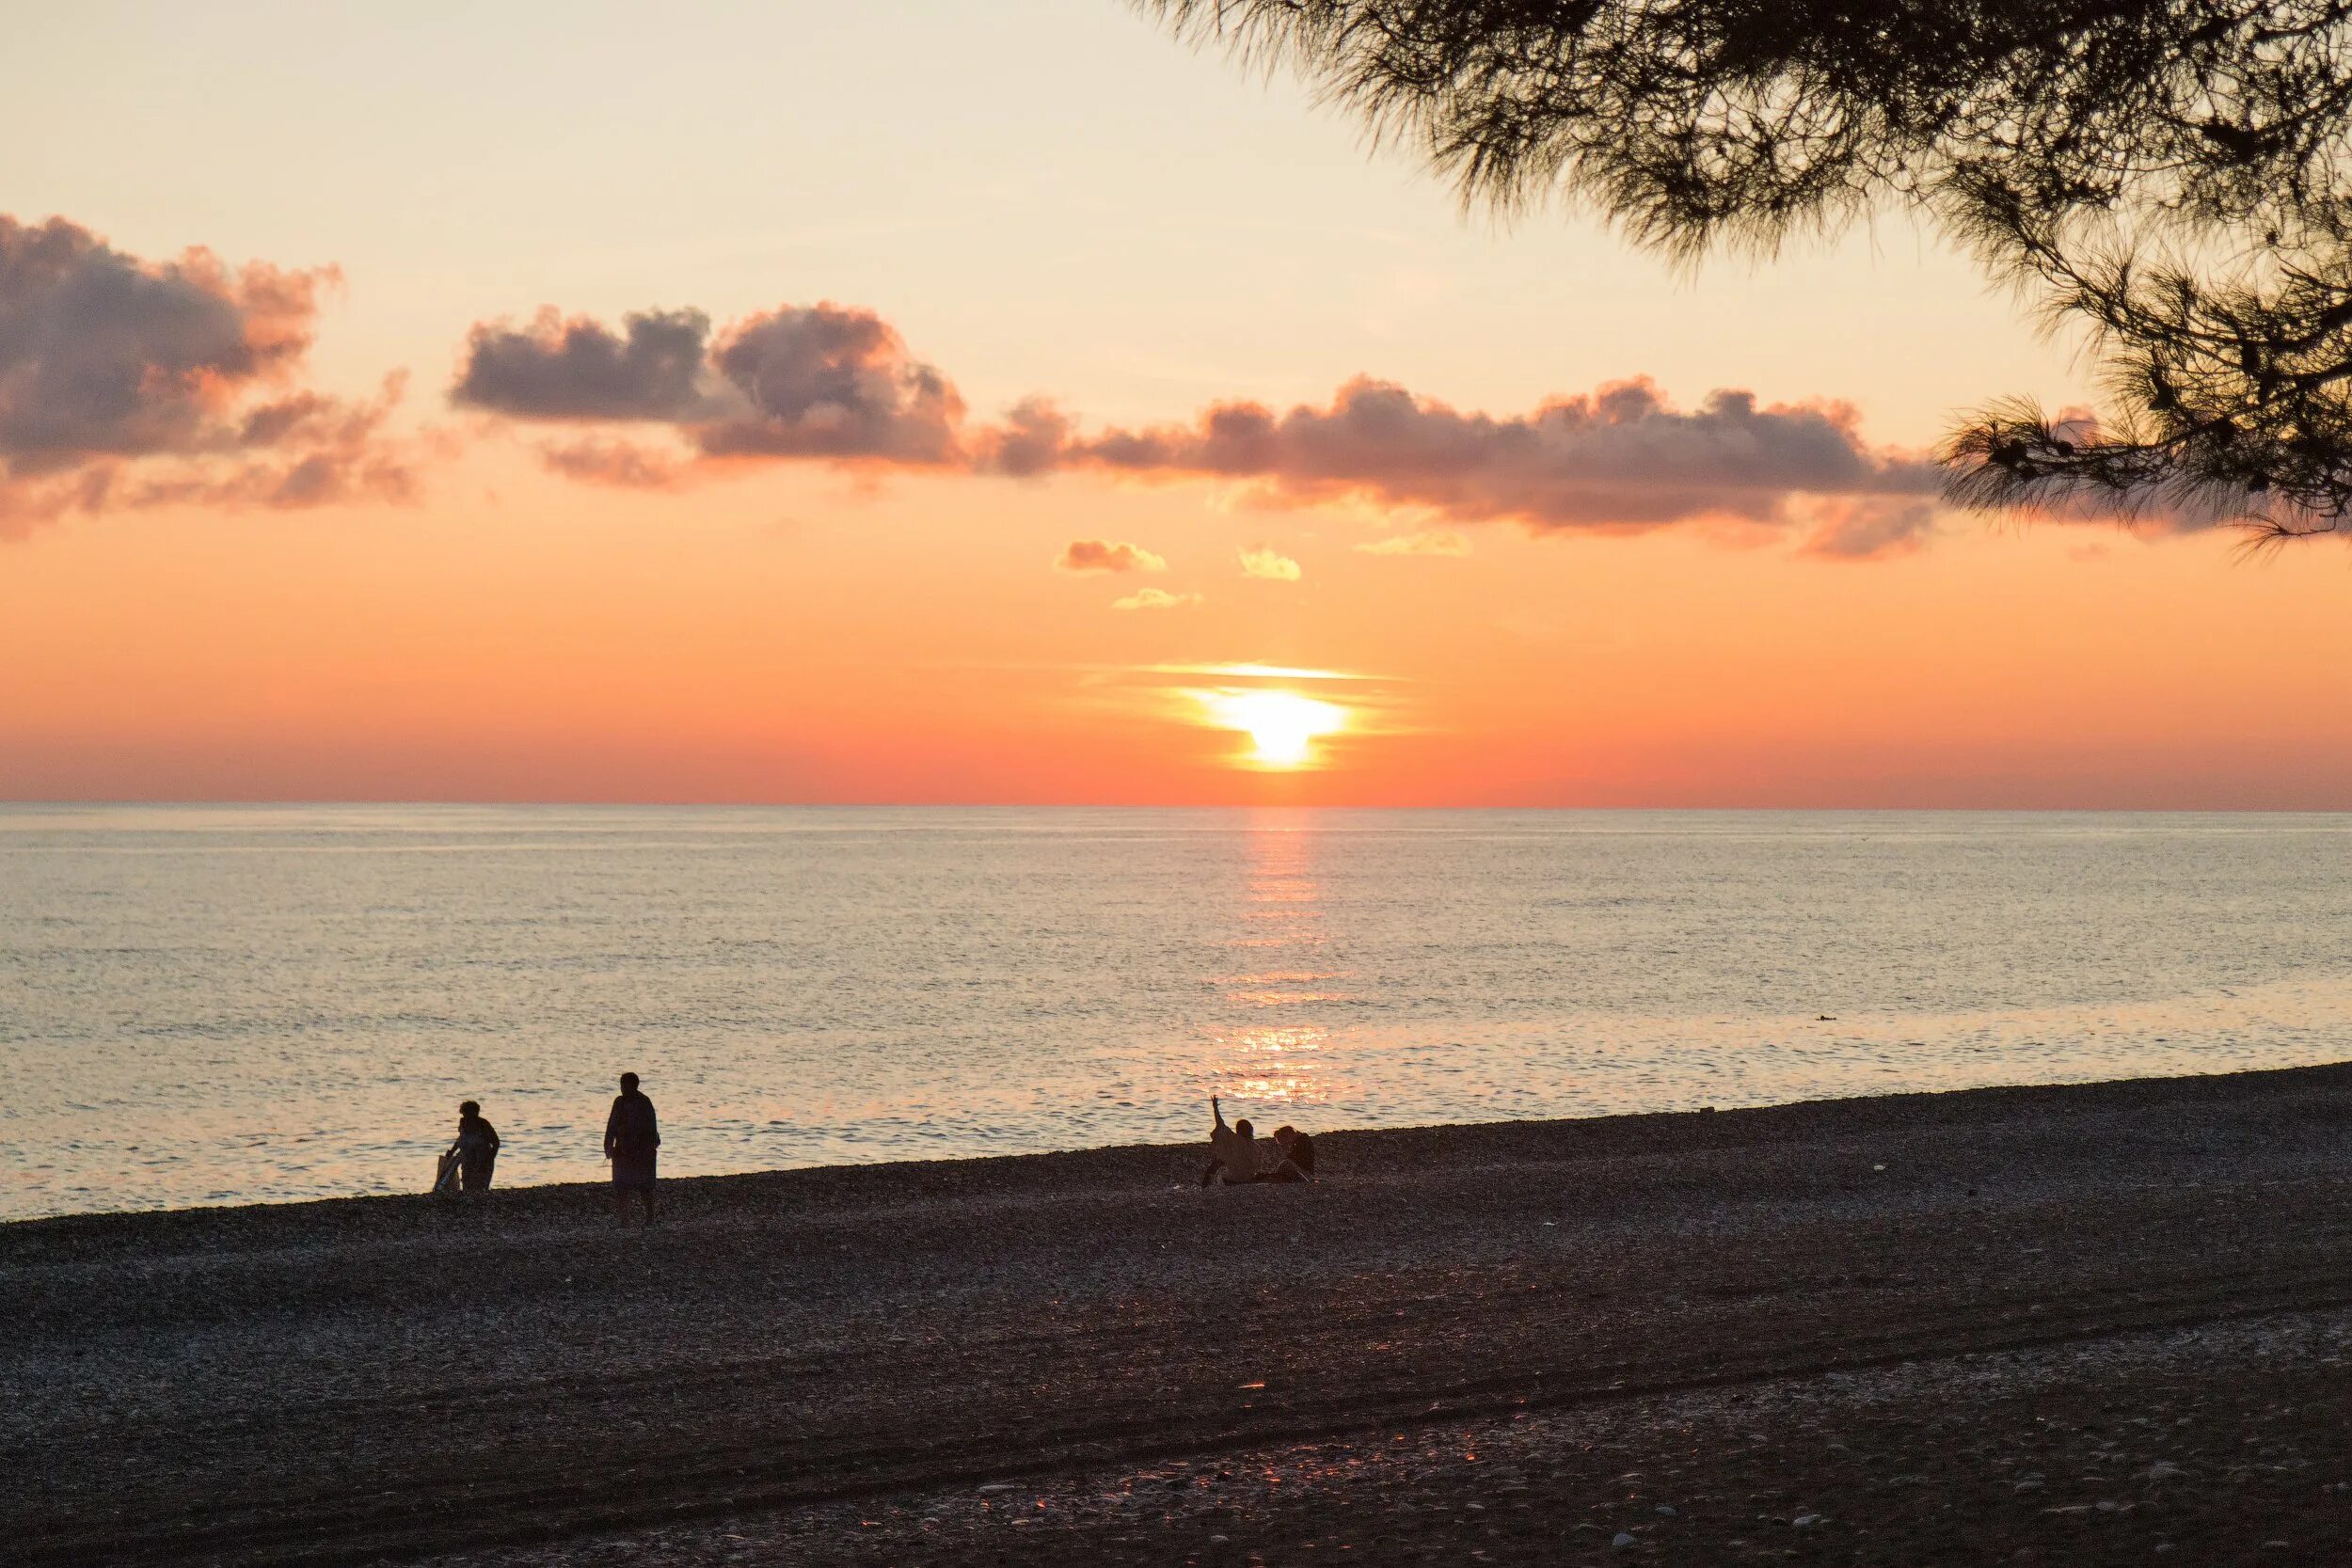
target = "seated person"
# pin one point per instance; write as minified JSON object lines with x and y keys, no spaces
{"x":1232,"y":1150}
{"x":1299,"y":1156}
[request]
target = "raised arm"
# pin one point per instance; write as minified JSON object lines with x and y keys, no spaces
{"x":1216,"y":1111}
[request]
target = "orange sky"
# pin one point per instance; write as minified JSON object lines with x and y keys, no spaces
{"x":587,"y":646}
{"x":790,"y":629}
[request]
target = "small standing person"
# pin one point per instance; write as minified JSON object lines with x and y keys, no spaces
{"x":630,"y":1138}
{"x":477,"y":1149}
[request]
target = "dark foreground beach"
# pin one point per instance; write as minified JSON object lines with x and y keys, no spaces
{"x":2109,"y":1323}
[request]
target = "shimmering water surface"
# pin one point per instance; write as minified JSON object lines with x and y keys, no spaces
{"x":204,"y":1005}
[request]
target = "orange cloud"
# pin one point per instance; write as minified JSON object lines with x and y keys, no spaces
{"x":1155,"y":598}
{"x":1263,"y":560}
{"x":1429,"y":541}
{"x":1102,"y":555}
{"x":625,"y":465}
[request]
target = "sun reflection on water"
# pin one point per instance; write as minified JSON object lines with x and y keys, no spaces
{"x":1281,"y":906}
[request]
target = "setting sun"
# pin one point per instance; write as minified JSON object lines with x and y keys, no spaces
{"x":1281,"y":725}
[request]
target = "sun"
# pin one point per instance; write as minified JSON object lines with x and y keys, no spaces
{"x":1281,"y":725}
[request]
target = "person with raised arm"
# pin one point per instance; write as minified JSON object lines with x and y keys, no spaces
{"x":1232,"y":1150}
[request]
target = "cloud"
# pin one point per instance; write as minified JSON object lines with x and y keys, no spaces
{"x":1429,"y":541}
{"x":1102,"y":555}
{"x":1263,"y":561}
{"x":820,"y":381}
{"x":1154,"y":598}
{"x":126,"y":382}
{"x":839,"y":385}
{"x":1030,"y":441}
{"x":605,"y":460}
{"x":1869,"y":529}
{"x":826,"y":382}
{"x":580,"y":369}
{"x":312,"y":451}
{"x":1620,"y":459}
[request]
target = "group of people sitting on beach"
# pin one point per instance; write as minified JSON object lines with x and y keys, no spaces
{"x":632,"y":1137}
{"x":1237,"y":1156}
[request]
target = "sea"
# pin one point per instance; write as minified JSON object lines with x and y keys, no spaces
{"x":208,"y":1004}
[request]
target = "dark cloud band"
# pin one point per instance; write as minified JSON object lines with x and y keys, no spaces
{"x":828,"y":383}
{"x":817,"y":381}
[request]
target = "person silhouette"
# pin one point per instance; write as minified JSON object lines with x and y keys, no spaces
{"x":631,"y":1137}
{"x":1232,"y":1150}
{"x":476,"y":1148}
{"x":1299,"y":1156}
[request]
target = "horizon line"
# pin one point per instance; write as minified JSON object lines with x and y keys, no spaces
{"x":241,"y":801}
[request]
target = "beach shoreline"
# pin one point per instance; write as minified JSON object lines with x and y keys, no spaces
{"x":521,"y":1382}
{"x":1041,"y":1171}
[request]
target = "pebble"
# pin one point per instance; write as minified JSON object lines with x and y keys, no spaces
{"x":1622,"y":1539}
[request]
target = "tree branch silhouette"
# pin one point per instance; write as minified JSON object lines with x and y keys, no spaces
{"x":2169,"y":178}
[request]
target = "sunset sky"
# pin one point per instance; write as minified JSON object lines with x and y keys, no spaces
{"x":961,"y":403}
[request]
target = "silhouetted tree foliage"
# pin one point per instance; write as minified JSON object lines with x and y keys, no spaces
{"x":2171,"y":176}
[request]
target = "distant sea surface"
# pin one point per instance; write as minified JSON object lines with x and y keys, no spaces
{"x":215,"y":1004}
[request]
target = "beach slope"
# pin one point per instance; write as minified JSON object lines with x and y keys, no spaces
{"x":2080,"y":1322}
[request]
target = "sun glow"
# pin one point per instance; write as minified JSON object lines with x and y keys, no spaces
{"x":1282,"y":726}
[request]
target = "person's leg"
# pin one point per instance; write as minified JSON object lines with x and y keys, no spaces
{"x":620,"y":1202}
{"x":648,"y":1195}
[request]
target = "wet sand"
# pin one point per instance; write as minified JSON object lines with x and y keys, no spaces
{"x":2106,"y":1323}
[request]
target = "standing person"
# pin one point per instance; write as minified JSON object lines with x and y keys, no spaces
{"x":476,"y":1148}
{"x":630,"y":1138}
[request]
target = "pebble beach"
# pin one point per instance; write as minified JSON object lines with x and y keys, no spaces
{"x":2083,"y":1325}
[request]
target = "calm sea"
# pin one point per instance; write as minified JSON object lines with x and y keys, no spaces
{"x":207,"y":1004}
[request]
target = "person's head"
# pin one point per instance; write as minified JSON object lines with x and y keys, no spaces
{"x":1284,"y":1134}
{"x":629,"y":1082}
{"x":1242,"y":1127}
{"x":471,"y":1108}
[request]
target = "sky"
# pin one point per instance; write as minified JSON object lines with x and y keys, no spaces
{"x":954,"y":402}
